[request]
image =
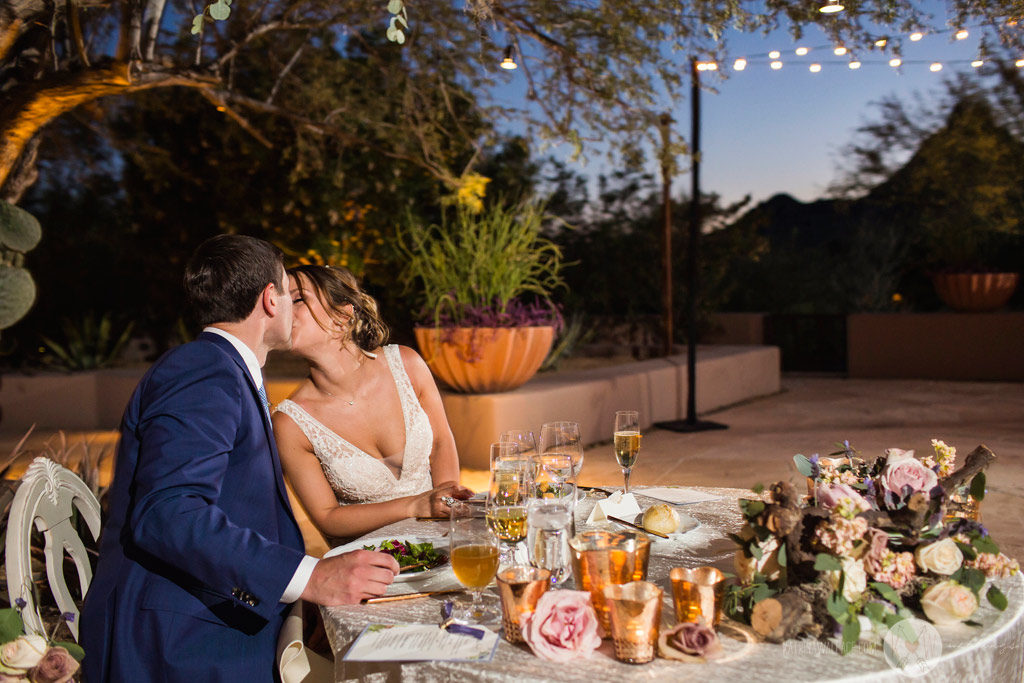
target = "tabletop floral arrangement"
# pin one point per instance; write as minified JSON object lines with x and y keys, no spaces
{"x":870,"y":544}
{"x":32,"y":657}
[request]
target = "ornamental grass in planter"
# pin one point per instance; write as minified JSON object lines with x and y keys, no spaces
{"x":485,"y":281}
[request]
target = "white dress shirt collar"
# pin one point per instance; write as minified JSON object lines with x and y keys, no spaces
{"x":247,"y":354}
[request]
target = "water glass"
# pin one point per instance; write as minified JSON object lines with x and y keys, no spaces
{"x":563,"y":438}
{"x":549,"y":528}
{"x":521,"y":437}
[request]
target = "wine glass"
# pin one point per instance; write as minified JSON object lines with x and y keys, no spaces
{"x":506,"y":504}
{"x":474,"y":558}
{"x":523,"y":437}
{"x":563,"y":438}
{"x":627,"y":442}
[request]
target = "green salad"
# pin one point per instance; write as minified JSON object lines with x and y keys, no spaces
{"x":408,"y":553}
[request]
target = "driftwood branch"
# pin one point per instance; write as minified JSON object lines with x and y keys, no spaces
{"x":976,"y":461}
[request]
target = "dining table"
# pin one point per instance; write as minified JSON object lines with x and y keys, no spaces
{"x":990,"y":650}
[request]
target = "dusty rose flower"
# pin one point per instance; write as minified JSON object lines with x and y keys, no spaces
{"x":830,"y":497}
{"x":942,"y":557}
{"x":23,"y":653}
{"x":902,"y":470}
{"x":877,"y":547}
{"x":563,"y":626}
{"x":57,"y":666}
{"x":895,"y":569}
{"x":994,"y":565}
{"x":695,"y":639}
{"x":948,"y":602}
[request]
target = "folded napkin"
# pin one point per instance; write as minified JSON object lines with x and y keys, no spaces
{"x":617,"y":505}
{"x":679,"y":496}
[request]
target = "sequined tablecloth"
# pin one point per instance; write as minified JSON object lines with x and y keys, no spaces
{"x":992,"y":652}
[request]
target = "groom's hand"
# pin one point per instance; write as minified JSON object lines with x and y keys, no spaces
{"x":348,"y":578}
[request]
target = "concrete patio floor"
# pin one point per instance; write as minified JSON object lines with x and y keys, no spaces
{"x":809,"y":416}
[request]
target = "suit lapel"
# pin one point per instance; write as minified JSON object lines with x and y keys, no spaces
{"x":263,"y":411}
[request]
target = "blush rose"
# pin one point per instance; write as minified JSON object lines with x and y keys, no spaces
{"x":948,"y":603}
{"x":903,"y":470}
{"x":563,"y":626}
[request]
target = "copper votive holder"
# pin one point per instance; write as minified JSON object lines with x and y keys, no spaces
{"x":698,"y":594}
{"x":520,"y":587}
{"x":635,"y":611}
{"x":602,"y":558}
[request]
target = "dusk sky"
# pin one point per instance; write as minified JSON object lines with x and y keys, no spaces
{"x":767,"y":131}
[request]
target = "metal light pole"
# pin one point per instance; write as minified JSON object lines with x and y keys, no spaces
{"x":665,"y":122}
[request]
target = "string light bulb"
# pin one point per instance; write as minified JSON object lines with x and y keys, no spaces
{"x":776,"y":65}
{"x":962,"y":34}
{"x":916,"y":36}
{"x":1019,"y":63}
{"x":801,"y":51}
{"x":881,"y":42}
{"x":831,"y":7}
{"x":707,"y":66}
{"x":815,"y":68}
{"x":977,"y":62}
{"x":774,"y":54}
{"x":839,"y":51}
{"x":739,"y":65}
{"x":854,"y":64}
{"x":935,"y":66}
{"x":895,"y":61}
{"x":509,"y":62}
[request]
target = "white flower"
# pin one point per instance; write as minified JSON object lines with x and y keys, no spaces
{"x":948,"y":602}
{"x":942,"y":557}
{"x":768,"y":565}
{"x":856,"y":581}
{"x":23,"y":653}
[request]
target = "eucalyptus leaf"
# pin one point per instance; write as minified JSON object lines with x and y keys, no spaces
{"x":803,"y":465}
{"x":985,"y":544}
{"x":781,"y":557}
{"x":996,"y":598}
{"x":395,"y":6}
{"x":824,"y":562}
{"x":757,"y":488}
{"x":838,"y":607}
{"x":761,"y":591}
{"x":969,"y":552}
{"x":220,"y":10}
{"x":851,"y":634}
{"x":74,"y":649}
{"x":11,"y":625}
{"x":887,"y":592}
{"x":973,"y":579}
{"x":755,"y":550}
{"x":875,"y":611}
{"x":978,"y":486}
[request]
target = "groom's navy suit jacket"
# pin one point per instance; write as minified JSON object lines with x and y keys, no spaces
{"x":199,"y":542}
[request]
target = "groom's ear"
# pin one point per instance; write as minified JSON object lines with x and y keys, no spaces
{"x":269,"y":300}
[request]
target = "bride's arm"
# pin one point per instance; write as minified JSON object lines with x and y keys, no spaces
{"x":307,"y":478}
{"x":444,"y":459}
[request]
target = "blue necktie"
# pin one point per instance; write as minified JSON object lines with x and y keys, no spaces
{"x":264,"y":401}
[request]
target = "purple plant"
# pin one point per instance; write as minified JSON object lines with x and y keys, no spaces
{"x":515,"y":313}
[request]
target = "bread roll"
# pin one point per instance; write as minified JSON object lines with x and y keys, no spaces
{"x":661,"y":518}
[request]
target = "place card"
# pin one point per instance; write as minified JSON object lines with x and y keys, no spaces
{"x":623,"y":506}
{"x":420,"y":642}
{"x":679,"y":496}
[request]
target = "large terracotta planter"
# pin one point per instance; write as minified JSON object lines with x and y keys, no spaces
{"x":476,"y":360}
{"x":975,"y":292}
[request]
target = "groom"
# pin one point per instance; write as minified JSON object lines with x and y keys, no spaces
{"x":200,"y":554}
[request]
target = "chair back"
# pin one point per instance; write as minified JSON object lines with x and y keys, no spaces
{"x":48,"y":499}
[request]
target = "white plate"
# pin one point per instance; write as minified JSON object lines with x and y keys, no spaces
{"x":686,"y":524}
{"x":440,"y":544}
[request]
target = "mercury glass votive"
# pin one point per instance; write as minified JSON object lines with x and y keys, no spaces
{"x":602,"y":558}
{"x":698,"y":594}
{"x":635,"y":614}
{"x":520,"y":587}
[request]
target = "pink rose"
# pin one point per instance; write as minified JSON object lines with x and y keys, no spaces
{"x":562,"y":627}
{"x":878,"y":546}
{"x":695,"y":639}
{"x":903,"y":470}
{"x":829,"y":496}
{"x":57,"y":666}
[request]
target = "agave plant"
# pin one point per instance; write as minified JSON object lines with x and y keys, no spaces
{"x":89,"y":343}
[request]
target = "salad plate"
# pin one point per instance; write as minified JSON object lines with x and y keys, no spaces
{"x":407,"y":550}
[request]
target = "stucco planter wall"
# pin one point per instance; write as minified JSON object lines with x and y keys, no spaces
{"x":81,"y":400}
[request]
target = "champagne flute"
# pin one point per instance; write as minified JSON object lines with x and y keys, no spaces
{"x":474,"y":558}
{"x":506,"y":505}
{"x":627,"y":442}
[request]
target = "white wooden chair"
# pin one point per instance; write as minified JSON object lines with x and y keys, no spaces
{"x":47,"y":498}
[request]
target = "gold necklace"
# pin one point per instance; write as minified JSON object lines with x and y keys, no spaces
{"x":351,"y":402}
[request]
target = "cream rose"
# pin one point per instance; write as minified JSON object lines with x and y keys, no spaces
{"x":23,"y":653}
{"x":942,"y":557}
{"x":856,"y":579}
{"x":768,"y":565}
{"x":948,"y":603}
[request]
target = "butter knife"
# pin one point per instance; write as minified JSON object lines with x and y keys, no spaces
{"x":638,"y":528}
{"x":407,"y":596}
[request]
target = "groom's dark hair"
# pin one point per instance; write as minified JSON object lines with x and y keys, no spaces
{"x":226,"y":275}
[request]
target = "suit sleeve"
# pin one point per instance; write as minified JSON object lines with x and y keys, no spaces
{"x":187,"y":427}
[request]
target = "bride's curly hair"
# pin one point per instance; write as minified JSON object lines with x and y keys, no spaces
{"x":336,"y":287}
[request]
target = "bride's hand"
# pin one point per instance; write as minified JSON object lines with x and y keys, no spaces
{"x":431,"y":503}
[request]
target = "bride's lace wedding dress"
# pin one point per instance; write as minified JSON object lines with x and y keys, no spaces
{"x":355,"y":475}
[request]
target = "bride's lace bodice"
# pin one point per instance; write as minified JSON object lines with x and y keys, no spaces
{"x":355,"y":475}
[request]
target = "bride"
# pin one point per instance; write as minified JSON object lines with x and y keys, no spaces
{"x":364,"y":440}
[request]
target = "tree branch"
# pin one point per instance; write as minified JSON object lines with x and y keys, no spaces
{"x":284,"y":72}
{"x":218,"y":101}
{"x":154,"y":16}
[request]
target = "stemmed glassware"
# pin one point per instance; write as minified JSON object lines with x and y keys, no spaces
{"x":521,"y":437}
{"x":627,"y":442}
{"x":474,"y":558}
{"x":507,"y":494}
{"x":563,"y":438}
